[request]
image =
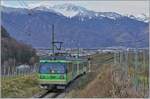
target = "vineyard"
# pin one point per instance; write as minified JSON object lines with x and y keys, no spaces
{"x":116,"y":75}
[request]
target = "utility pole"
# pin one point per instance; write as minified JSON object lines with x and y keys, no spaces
{"x":126,"y":63}
{"x":53,"y":52}
{"x":136,"y":63}
{"x":144,"y":65}
{"x":89,"y":63}
{"x":115,"y":57}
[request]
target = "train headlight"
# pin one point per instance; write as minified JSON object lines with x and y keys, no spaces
{"x":53,"y":71}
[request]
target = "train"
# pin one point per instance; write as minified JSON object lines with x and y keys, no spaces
{"x":58,"y":72}
{"x":60,"y":68}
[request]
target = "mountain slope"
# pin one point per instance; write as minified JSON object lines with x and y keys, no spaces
{"x":13,"y":50}
{"x":104,"y":29}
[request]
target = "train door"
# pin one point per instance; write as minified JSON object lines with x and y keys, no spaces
{"x":69,"y":72}
{"x":80,"y":68}
{"x":85,"y":66}
{"x":74,"y":70}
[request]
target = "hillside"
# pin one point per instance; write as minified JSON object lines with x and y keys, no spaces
{"x":86,"y":29}
{"x":13,"y":50}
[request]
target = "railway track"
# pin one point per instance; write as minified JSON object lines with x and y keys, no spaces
{"x":51,"y":94}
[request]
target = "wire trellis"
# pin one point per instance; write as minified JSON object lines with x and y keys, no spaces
{"x":134,"y":60}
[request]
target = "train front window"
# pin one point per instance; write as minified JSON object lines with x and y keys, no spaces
{"x":52,"y":68}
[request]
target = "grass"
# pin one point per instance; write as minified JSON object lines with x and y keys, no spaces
{"x":20,"y":86}
{"x":84,"y":81}
{"x":101,"y":82}
{"x":142,"y":71}
{"x":93,"y":86}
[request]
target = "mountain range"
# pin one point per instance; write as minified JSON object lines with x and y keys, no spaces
{"x":75,"y":26}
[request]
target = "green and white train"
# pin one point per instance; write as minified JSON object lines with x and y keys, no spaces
{"x":60,"y":72}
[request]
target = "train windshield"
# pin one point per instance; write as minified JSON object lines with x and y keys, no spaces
{"x":52,"y":68}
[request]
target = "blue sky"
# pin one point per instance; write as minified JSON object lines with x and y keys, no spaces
{"x":122,"y":7}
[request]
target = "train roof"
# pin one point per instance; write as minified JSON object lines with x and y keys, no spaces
{"x":61,"y":59}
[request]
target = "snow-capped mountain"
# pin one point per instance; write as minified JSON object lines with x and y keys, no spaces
{"x":140,"y":17}
{"x":68,"y":10}
{"x":71,"y":10}
{"x":85,"y":28}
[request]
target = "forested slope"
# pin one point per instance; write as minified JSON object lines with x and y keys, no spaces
{"x":12,"y":50}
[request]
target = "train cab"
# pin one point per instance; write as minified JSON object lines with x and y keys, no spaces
{"x":52,"y":73}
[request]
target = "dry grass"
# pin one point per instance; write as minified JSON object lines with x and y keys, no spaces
{"x":107,"y":85}
{"x":20,"y":87}
{"x":99,"y":87}
{"x":89,"y":79}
